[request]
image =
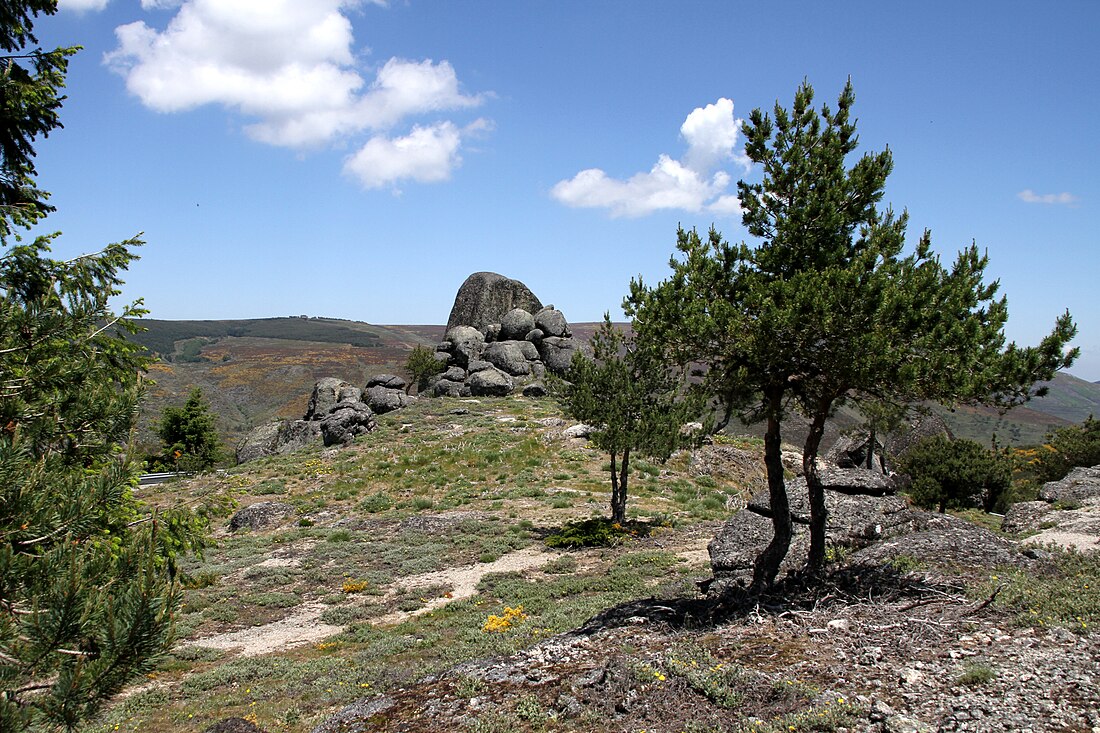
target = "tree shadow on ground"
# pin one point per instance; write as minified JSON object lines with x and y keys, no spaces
{"x":857,"y":583}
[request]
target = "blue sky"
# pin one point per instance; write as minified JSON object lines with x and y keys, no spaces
{"x":359,"y":159}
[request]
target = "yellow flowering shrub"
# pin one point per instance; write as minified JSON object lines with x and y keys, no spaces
{"x":505,"y":621}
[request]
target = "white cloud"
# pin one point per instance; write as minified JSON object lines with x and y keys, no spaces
{"x":289,"y":67}
{"x":691,"y":184}
{"x":711,"y":134}
{"x":81,"y":6}
{"x":1030,"y":197}
{"x":160,"y":4}
{"x":426,"y":155}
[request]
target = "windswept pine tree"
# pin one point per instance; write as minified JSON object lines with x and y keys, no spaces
{"x":826,"y":307}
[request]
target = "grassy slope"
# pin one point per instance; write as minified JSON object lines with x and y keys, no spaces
{"x":441,"y":484}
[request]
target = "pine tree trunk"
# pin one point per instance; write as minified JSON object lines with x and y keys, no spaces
{"x":618,"y":499}
{"x":767,"y":563}
{"x":818,"y":511}
{"x":618,"y":493}
{"x":871,"y":450}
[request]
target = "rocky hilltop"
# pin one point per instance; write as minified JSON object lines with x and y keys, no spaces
{"x":500,"y":339}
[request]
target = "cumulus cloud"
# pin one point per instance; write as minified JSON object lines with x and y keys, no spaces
{"x":290,"y":69}
{"x":425,"y":155}
{"x":1030,"y":197}
{"x":697,"y":182}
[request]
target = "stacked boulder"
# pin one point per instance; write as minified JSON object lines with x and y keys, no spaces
{"x":501,"y":338}
{"x":338,"y":411}
{"x":514,"y":353}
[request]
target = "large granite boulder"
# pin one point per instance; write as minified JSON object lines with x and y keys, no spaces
{"x":386,"y":399}
{"x":859,"y":514}
{"x":851,"y":451}
{"x":276,"y":438}
{"x":1079,"y":486}
{"x":448,"y":388}
{"x":486,"y":296}
{"x":515,"y":325}
{"x":465,"y":345}
{"x":326,"y":393}
{"x":1025,"y":516}
{"x":946,"y":540}
{"x":508,"y":357}
{"x":347,"y":420}
{"x":551,"y":322}
{"x":557,"y":352}
{"x":490,"y":382}
{"x":853,"y":481}
{"x":389,"y":381}
{"x":853,"y":519}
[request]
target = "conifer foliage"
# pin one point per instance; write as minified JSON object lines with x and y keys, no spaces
{"x":634,"y":401}
{"x":189,"y":434}
{"x":827,"y":308}
{"x":87,"y":587}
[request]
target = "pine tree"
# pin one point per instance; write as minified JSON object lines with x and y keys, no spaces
{"x":87,"y":587}
{"x":826,"y":308}
{"x":189,"y":434}
{"x":634,"y":401}
{"x":30,"y":83}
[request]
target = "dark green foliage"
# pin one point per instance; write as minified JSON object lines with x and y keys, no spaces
{"x":956,"y":474}
{"x":632,"y":398}
{"x":189,"y":435}
{"x":422,"y":366}
{"x":31,"y":80}
{"x":596,"y":532}
{"x":1068,"y":447}
{"x":826,"y":308}
{"x":87,"y":574}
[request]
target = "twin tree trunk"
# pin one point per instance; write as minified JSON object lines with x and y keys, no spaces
{"x":767,"y":563}
{"x":618,"y":488}
{"x":766,"y":567}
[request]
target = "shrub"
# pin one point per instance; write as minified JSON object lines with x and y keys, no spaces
{"x":422,"y":366}
{"x":1067,"y":448}
{"x":588,"y":533}
{"x":189,"y":435}
{"x":956,"y":474}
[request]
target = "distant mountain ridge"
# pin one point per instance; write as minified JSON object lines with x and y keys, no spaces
{"x":254,"y":370}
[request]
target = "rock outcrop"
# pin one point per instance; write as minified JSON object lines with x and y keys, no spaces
{"x":485,"y":297}
{"x":512,"y":351}
{"x":338,"y":411}
{"x":276,"y":438}
{"x":261,"y":515}
{"x":1067,"y":513}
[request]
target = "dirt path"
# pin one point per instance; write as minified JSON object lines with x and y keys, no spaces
{"x":304,"y":626}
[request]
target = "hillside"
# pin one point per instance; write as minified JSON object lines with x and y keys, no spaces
{"x":252,"y":371}
{"x":406,"y":580}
